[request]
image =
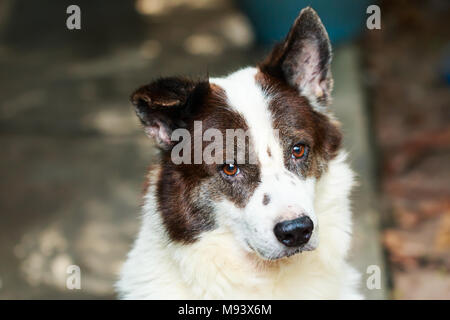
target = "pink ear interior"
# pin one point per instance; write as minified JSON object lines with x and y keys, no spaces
{"x":306,"y":74}
{"x":303,"y":59}
{"x":159,"y":132}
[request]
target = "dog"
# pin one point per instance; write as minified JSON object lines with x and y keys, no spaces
{"x":275,"y":228}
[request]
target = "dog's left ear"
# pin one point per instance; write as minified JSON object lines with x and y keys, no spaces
{"x":303,"y":59}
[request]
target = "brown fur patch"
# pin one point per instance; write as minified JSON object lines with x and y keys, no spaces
{"x":185,"y":192}
{"x":266,"y":199}
{"x":298,"y":122}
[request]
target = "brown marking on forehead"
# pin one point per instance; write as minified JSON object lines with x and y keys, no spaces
{"x":298,"y":122}
{"x":269,"y":153}
{"x":186,"y":193}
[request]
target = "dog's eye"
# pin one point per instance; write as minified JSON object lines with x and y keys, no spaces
{"x":299,"y":151}
{"x":230,"y":169}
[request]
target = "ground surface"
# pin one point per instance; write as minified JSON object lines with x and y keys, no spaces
{"x":72,"y":154}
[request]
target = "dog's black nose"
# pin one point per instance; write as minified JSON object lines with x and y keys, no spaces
{"x":294,"y":233}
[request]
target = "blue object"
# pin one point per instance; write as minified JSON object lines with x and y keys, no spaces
{"x":445,"y":65}
{"x":343,"y":19}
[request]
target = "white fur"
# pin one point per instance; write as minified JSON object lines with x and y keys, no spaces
{"x":220,"y":264}
{"x":290,"y":196}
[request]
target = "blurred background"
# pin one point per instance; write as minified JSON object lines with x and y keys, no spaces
{"x":73,"y":157}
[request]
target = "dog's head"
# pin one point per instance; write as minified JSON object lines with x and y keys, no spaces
{"x":275,"y":121}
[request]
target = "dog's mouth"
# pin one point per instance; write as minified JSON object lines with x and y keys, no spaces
{"x":280,"y":255}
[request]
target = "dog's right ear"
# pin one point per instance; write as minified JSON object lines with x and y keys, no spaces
{"x":166,"y":104}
